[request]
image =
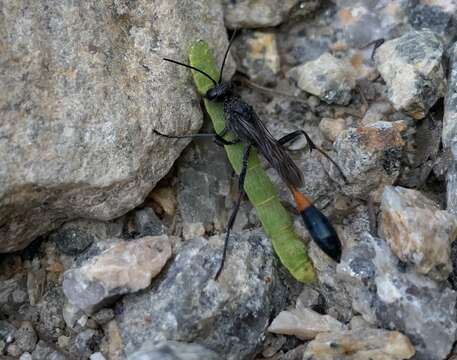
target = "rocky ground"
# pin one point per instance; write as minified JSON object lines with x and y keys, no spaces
{"x":111,"y":234}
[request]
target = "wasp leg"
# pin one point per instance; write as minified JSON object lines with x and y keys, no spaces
{"x":375,"y":43}
{"x":218,"y":138}
{"x":231,"y":221}
{"x":312,"y":146}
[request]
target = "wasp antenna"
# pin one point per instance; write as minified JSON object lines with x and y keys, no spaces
{"x":191,"y":67}
{"x":225,"y":55}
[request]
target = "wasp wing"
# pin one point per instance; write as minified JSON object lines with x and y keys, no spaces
{"x":244,"y":122}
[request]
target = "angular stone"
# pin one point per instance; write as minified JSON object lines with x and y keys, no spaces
{"x":186,"y":304}
{"x":370,"y":156}
{"x":74,"y":237}
{"x":26,"y":338}
{"x":173,"y":350}
{"x":84,"y":86}
{"x":418,"y":231}
{"x":266,"y":13}
{"x":126,"y":266}
{"x":389,"y":295}
{"x":327,"y":77}
{"x":257,"y":55}
{"x":304,"y":324}
{"x":411,"y":67}
{"x":45,"y":351}
{"x":361,"y":344}
{"x":85,"y":343}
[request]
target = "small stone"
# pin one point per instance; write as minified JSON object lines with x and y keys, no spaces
{"x":331,"y":128}
{"x":173,"y":350}
{"x":44,"y":351}
{"x":50,"y":310}
{"x":36,"y":281}
{"x":294,"y":354}
{"x":411,"y":67}
{"x":147,"y":223}
{"x":103,"y":316}
{"x":13,"y":350}
{"x":123,"y":268}
{"x":26,"y":356}
{"x":85,"y":343}
{"x":418,"y":231}
{"x":193,"y":230}
{"x":304,"y":324}
{"x":63,"y":342}
{"x":71,"y":314}
{"x":26,"y":337}
{"x":360,"y":344}
{"x":436,"y":17}
{"x":72,"y":240}
{"x":358,"y":322}
{"x":257,"y":55}
{"x":327,"y":77}
{"x":97,"y":356}
{"x":7,"y":331}
{"x":370,"y":156}
{"x":267,"y":13}
{"x":114,"y":344}
{"x":389,"y":295}
{"x":378,"y":111}
{"x":166,"y":198}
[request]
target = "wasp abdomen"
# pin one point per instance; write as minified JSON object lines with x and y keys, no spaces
{"x":322,"y":232}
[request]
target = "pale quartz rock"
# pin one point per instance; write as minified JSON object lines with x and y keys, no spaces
{"x":360,"y":344}
{"x":329,"y":78}
{"x":125,"y":267}
{"x":418,"y":231}
{"x":411,"y":67}
{"x":304,"y":324}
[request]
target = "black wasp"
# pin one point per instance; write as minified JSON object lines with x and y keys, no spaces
{"x":244,"y":123}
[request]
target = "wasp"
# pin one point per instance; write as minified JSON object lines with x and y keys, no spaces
{"x":242,"y":121}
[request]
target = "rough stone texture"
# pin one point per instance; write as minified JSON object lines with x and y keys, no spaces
{"x":436,"y":15}
{"x":450,"y":131}
{"x":74,"y":237}
{"x":26,"y":338}
{"x":147,"y":223}
{"x":84,"y":86}
{"x":257,"y":56}
{"x":85,"y":343}
{"x":360,"y":344}
{"x":50,"y":310}
{"x":418,"y":231}
{"x":327,"y":77}
{"x":411,"y":67}
{"x":370,"y":156}
{"x":122,"y":268}
{"x":331,"y":128}
{"x":203,"y":188}
{"x":229,"y":316}
{"x":173,"y":350}
{"x":304,"y":324}
{"x":44,"y":351}
{"x":390,"y":296}
{"x":264,"y":13}
{"x":13,"y":293}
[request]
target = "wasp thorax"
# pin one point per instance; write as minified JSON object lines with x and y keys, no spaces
{"x":219,"y":92}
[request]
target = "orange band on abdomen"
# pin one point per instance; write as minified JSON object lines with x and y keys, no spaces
{"x":301,"y":200}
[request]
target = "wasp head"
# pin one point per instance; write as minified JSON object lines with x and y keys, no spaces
{"x":219,"y":92}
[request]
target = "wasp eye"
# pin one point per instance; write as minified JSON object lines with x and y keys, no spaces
{"x":211,"y":94}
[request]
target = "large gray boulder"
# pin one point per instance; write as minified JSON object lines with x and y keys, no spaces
{"x":83,"y":87}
